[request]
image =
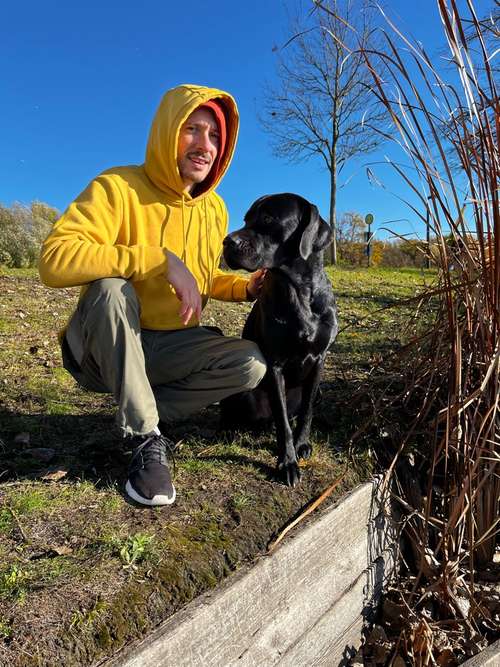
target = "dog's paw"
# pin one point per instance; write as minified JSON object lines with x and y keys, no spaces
{"x":303,"y":450}
{"x":289,"y":473}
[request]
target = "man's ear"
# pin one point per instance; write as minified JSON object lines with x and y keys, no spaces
{"x":316,"y":235}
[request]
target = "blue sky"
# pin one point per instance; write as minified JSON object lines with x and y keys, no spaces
{"x":80,"y":83}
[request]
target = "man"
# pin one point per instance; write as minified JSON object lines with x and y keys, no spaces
{"x":144,"y":241}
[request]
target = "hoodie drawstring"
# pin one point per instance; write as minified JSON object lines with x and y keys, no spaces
{"x":210,"y":264}
{"x":184,"y":239}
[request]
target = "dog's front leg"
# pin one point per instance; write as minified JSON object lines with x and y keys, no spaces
{"x":288,"y":469}
{"x":304,"y":417}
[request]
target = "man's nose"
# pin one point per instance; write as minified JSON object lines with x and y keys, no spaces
{"x":204,"y":142}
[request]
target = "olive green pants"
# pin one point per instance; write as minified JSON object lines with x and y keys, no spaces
{"x":153,"y":375}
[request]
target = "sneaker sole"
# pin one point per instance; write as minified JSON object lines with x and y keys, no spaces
{"x":151,"y":502}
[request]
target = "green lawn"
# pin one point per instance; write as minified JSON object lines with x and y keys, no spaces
{"x":81,"y":570}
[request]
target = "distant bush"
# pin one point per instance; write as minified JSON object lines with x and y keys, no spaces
{"x":394,"y":254}
{"x":354,"y":253}
{"x":22,"y":231}
{"x":404,"y":252}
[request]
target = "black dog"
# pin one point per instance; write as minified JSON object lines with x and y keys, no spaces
{"x":293,"y":321}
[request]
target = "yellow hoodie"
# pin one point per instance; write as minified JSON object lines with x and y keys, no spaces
{"x":122,"y":223}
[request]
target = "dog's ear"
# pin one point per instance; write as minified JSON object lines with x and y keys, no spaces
{"x":317,"y":233}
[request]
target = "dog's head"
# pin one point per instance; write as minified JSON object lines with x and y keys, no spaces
{"x":278,"y":230}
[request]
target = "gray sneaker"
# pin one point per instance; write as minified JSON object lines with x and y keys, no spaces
{"x":149,"y":481}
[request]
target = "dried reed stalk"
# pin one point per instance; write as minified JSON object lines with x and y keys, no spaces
{"x":449,"y":486}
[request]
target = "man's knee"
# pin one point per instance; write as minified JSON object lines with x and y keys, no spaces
{"x":110,"y":289}
{"x":254,"y":367}
{"x":108,"y":296}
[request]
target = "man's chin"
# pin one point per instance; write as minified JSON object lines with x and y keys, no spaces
{"x":195,"y":179}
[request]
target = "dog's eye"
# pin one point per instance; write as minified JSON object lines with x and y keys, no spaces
{"x":267,"y":219}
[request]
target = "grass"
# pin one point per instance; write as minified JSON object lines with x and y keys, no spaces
{"x":72,"y":548}
{"x":87,"y":617}
{"x":5,"y":630}
{"x":13,"y":583}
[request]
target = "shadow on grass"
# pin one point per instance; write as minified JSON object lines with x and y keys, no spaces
{"x":81,"y":446}
{"x":88,"y":447}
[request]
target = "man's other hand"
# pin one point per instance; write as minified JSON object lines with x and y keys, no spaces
{"x":255,"y":283}
{"x":185,"y":287}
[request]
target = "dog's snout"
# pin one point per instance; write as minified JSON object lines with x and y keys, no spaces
{"x":240,"y":252}
{"x":231,"y":242}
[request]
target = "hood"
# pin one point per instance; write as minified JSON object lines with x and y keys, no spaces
{"x":161,"y":152}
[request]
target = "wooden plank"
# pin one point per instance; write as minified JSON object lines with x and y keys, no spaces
{"x":490,"y":657}
{"x":335,"y":636}
{"x":312,"y":590}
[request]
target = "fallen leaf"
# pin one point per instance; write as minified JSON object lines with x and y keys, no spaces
{"x":62,"y":550}
{"x":53,"y":475}
{"x":446,"y":658}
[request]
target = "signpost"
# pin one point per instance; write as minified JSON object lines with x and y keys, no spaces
{"x":368,"y":236}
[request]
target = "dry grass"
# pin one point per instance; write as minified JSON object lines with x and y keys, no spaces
{"x":445,"y":474}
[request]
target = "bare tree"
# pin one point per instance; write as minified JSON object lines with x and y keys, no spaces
{"x":350,"y":228}
{"x":322,"y":105}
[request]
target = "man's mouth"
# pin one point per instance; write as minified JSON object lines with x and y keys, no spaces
{"x":198,"y":160}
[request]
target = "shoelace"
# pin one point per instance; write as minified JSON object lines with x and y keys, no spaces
{"x":154,"y":449}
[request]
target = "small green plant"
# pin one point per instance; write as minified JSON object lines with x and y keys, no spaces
{"x":5,"y":630}
{"x":240,"y":501}
{"x":13,"y":583}
{"x":5,"y":521}
{"x":135,"y":549}
{"x":85,"y":617}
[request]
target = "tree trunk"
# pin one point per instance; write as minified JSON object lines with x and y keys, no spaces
{"x":332,"y":250}
{"x":333,"y":166}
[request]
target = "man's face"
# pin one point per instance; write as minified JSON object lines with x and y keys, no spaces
{"x":197,"y":147}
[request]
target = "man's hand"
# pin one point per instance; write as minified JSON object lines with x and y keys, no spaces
{"x":185,"y":287}
{"x":255,"y":283}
